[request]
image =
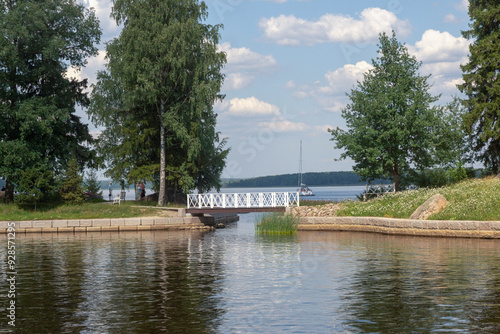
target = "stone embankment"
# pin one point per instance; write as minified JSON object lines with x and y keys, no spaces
{"x":182,"y":222}
{"x":323,"y":218}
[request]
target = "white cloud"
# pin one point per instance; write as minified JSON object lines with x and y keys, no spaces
{"x":463,"y":5}
{"x":443,"y":68}
{"x":281,"y":125}
{"x":292,"y":31}
{"x":439,"y":46}
{"x":235,"y":81}
{"x":247,"y":107}
{"x":441,"y":54}
{"x":342,"y":79}
{"x":284,"y":126}
{"x":103,"y":10}
{"x":244,"y":65}
{"x":450,"y":18}
{"x":331,"y":94}
{"x":89,"y":72}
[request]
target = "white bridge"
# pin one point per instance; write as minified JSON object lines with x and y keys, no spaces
{"x":241,"y":202}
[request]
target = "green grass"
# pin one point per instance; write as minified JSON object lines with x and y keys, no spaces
{"x":277,"y":223}
{"x":474,"y":199}
{"x":50,"y":211}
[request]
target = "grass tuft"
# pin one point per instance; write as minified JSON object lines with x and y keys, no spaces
{"x":277,"y":223}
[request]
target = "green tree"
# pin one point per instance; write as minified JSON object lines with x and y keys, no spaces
{"x":34,"y":184}
{"x":156,"y":96}
{"x":391,"y":125}
{"x":40,"y":41}
{"x":92,"y":185}
{"x":482,"y":82}
{"x":72,"y":184}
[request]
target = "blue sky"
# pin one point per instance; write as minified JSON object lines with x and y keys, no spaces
{"x":291,"y":62}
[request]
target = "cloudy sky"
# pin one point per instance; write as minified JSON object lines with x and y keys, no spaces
{"x":291,"y":62}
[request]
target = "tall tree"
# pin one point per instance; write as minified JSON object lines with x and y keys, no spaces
{"x":482,"y":82}
{"x":391,"y":125}
{"x":39,"y":127}
{"x":156,"y":97}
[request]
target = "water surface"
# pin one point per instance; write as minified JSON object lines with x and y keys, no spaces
{"x":234,"y":281}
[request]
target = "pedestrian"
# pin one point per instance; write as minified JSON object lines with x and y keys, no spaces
{"x":110,"y":191}
{"x":143,"y":190}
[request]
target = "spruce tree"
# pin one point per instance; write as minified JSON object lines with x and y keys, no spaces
{"x":40,"y":41}
{"x":481,"y":85}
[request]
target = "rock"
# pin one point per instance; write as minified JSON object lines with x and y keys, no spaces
{"x":151,"y":198}
{"x":433,"y":205}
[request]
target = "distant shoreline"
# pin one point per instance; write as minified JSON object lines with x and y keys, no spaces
{"x":313,"y":179}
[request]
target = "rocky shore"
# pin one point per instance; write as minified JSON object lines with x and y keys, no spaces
{"x":326,"y":210}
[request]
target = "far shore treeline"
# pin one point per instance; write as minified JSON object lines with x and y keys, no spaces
{"x":311,"y":179}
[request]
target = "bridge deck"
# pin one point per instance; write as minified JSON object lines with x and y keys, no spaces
{"x":234,"y":210}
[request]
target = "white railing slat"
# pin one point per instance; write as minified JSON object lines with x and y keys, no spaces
{"x":246,"y":200}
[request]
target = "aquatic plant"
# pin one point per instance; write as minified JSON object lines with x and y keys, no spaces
{"x":277,"y":223}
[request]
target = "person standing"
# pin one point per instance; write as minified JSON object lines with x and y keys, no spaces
{"x":110,"y":188}
{"x":143,"y":190}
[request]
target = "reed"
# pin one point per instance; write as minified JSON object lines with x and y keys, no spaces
{"x":277,"y":223}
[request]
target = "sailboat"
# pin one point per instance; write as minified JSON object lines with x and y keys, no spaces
{"x":303,"y":189}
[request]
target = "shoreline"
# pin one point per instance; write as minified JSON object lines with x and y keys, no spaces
{"x":398,"y":226}
{"x":390,"y":226}
{"x":182,"y":222}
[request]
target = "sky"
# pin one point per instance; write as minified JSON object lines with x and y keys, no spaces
{"x":290,"y":64}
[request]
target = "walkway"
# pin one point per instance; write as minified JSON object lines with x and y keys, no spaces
{"x":241,"y":202}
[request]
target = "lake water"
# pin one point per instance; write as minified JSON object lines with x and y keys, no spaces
{"x":321,"y":193}
{"x":234,"y":281}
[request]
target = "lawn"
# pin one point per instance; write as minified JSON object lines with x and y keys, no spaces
{"x":51,"y":211}
{"x":473,"y":199}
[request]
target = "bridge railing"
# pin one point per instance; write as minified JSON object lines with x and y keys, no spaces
{"x":243,"y":200}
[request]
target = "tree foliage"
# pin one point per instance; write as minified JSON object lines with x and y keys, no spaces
{"x":40,"y":41}
{"x":155,"y":98}
{"x":482,"y":82}
{"x":72,"y":184}
{"x":34,"y":184}
{"x":391,"y":126}
{"x":92,"y":186}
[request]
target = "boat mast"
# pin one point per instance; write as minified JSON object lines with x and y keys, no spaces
{"x":300,"y":166}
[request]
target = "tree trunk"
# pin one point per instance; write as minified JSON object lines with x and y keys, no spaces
{"x":397,"y":180}
{"x":9,"y":192}
{"x":162,"y":196}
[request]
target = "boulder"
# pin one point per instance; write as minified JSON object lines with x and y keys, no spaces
{"x":433,"y":205}
{"x":150,"y":198}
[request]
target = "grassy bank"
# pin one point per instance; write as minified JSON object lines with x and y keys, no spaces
{"x":52,"y":211}
{"x":474,"y":199}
